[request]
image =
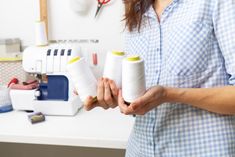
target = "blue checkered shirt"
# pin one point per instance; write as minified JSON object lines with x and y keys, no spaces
{"x":192,"y":47}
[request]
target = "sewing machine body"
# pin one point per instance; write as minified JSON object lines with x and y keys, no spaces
{"x":55,"y":95}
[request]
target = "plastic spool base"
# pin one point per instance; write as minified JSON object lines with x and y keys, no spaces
{"x":7,"y":108}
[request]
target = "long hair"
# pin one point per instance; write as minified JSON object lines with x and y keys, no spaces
{"x":134,"y":10}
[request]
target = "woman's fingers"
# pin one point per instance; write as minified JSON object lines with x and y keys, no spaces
{"x":121,"y":103}
{"x":113,"y":88}
{"x":145,"y":108}
{"x":114,"y":93}
{"x":152,"y":98}
{"x":107,"y":93}
{"x":100,"y":94}
{"x":109,"y":97}
{"x":89,"y":103}
{"x":140,"y":102}
{"x":139,"y":107}
{"x":123,"y":107}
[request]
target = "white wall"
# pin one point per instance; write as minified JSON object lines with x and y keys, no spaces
{"x":17,"y":19}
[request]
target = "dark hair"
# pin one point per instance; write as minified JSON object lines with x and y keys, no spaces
{"x":134,"y":10}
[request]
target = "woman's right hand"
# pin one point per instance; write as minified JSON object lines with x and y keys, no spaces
{"x":107,"y":95}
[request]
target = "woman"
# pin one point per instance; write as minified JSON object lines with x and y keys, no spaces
{"x":189,"y":51}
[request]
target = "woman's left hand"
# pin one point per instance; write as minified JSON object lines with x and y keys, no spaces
{"x":151,"y":99}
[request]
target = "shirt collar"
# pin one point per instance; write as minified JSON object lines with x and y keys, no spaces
{"x":151,"y":12}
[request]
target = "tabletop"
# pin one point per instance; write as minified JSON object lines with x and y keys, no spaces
{"x":97,"y":128}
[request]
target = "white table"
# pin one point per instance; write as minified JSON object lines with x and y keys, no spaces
{"x":97,"y":128}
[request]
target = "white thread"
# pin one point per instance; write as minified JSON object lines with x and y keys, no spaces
{"x":133,"y":79}
{"x":4,"y":96}
{"x":40,"y":34}
{"x":113,"y":68}
{"x":83,"y":78}
{"x":80,"y":6}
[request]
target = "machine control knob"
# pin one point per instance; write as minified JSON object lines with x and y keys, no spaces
{"x":37,"y":93}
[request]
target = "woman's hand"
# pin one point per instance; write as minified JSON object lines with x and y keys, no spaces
{"x":107,"y":95}
{"x":151,"y":99}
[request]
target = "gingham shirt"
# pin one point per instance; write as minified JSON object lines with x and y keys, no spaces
{"x":192,"y":47}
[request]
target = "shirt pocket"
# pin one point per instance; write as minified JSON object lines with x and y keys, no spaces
{"x":138,"y":44}
{"x":188,"y":48}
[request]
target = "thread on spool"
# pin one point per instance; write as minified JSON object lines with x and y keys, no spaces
{"x":94,"y":58}
{"x":4,"y":96}
{"x":5,"y":100}
{"x":133,"y":78}
{"x":113,"y":67}
{"x":118,"y":53}
{"x":133,"y":58}
{"x":83,"y":78}
{"x":40,"y":34}
{"x":74,"y":60}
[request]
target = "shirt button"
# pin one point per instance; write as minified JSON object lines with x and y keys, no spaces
{"x":152,"y":119}
{"x":150,"y":143}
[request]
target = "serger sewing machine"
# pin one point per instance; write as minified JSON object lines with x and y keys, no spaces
{"x":55,"y":95}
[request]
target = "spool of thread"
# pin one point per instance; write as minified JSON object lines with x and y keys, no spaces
{"x":40,"y":34}
{"x":94,"y":58}
{"x":83,"y":78}
{"x":133,"y":78}
{"x":5,"y":100}
{"x":80,"y":6}
{"x":113,"y":67}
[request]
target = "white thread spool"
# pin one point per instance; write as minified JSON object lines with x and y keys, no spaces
{"x":80,"y":6}
{"x":133,"y":78}
{"x":113,"y":67}
{"x":4,"y":96}
{"x":84,"y":80}
{"x":40,"y":34}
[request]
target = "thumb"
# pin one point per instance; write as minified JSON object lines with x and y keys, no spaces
{"x":89,"y":104}
{"x":141,"y":101}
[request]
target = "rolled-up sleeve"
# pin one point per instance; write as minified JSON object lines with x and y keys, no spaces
{"x":224,"y":27}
